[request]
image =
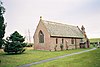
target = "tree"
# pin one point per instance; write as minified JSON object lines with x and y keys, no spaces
{"x":15,"y":43}
{"x":2,"y":25}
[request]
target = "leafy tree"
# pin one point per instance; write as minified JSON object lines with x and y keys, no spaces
{"x":15,"y":43}
{"x":2,"y":25}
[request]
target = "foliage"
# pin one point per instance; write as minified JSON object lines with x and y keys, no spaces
{"x":55,"y":48}
{"x":61,"y":46}
{"x":14,"y":43}
{"x":29,"y":44}
{"x":2,"y":25}
{"x":29,"y":56}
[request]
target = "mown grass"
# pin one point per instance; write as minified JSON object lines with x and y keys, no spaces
{"x":30,"y":56}
{"x":88,"y":59}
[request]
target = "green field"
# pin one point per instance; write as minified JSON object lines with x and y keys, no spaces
{"x":94,"y":39}
{"x":88,"y":59}
{"x":30,"y":56}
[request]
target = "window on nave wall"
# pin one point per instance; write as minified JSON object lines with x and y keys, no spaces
{"x":62,"y":41}
{"x":56,"y":40}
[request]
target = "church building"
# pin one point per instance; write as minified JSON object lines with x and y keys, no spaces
{"x":54,"y":36}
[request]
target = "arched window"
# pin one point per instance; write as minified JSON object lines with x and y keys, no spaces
{"x":41,"y":37}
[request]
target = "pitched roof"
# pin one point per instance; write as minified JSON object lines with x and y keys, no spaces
{"x":62,"y":30}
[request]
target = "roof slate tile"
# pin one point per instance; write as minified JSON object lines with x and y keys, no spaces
{"x":62,"y":30}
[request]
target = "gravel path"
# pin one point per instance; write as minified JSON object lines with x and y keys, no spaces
{"x":50,"y":59}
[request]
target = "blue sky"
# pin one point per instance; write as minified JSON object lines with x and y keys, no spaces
{"x":22,"y":15}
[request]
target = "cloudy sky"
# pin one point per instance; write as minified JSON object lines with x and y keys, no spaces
{"x":22,"y":15}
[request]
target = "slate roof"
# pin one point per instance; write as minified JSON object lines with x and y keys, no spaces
{"x":62,"y":30}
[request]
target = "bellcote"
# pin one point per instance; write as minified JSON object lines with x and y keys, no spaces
{"x":83,"y":29}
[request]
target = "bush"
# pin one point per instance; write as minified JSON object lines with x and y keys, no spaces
{"x":15,"y":43}
{"x":55,"y":47}
{"x":29,"y":44}
{"x":61,"y":46}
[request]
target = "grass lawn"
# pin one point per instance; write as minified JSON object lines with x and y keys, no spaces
{"x":30,"y":56}
{"x":88,"y":59}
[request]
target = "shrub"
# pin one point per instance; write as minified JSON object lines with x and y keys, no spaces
{"x":29,"y":44}
{"x":61,"y":46}
{"x":55,"y":47}
{"x":15,"y":43}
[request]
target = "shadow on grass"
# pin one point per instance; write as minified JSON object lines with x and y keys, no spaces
{"x":13,"y":53}
{"x":34,"y":51}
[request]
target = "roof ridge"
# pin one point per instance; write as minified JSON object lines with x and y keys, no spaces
{"x":53,"y":22}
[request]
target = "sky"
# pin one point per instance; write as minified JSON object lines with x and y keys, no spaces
{"x":24,"y":15}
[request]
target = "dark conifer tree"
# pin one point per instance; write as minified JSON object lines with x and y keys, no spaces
{"x":2,"y":25}
{"x":15,"y":43}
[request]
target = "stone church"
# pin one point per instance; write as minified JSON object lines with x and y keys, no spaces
{"x":56,"y":36}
